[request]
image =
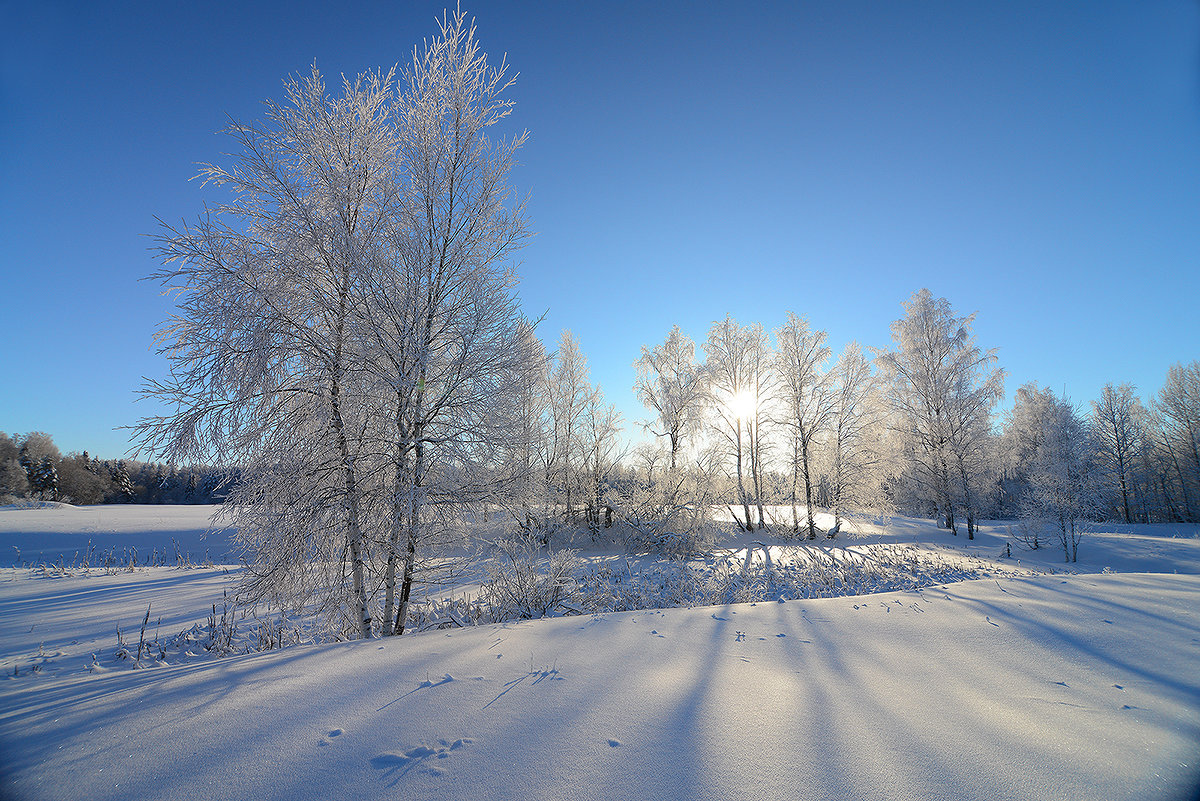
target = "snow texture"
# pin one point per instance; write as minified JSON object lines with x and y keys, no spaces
{"x":1082,"y":686}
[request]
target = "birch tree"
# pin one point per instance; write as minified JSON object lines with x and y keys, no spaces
{"x":807,"y":403}
{"x":670,"y":384}
{"x":736,"y":370}
{"x":1117,"y":420}
{"x":857,"y":458}
{"x":601,"y":427}
{"x":1177,"y":409}
{"x":263,"y":345}
{"x":568,"y":393}
{"x":531,"y":454}
{"x":448,"y":325}
{"x":942,"y":386}
{"x":1062,"y":472}
{"x":973,"y":396}
{"x":347,"y":325}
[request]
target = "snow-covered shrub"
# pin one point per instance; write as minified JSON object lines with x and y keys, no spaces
{"x":525,"y":584}
{"x":667,"y":513}
{"x":614,"y":587}
{"x":436,"y":613}
{"x":795,"y":572}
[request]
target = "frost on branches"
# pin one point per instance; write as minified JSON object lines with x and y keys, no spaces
{"x":348,"y":330}
{"x":943,"y":390}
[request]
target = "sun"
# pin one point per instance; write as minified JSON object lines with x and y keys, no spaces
{"x":743,"y":404}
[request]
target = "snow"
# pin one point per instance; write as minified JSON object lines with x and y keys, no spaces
{"x":64,"y":531}
{"x":1082,"y":686}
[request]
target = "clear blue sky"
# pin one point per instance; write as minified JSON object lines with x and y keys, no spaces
{"x":1036,"y":162}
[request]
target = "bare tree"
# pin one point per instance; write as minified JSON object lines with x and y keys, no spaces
{"x":601,"y":428}
{"x":452,"y":327}
{"x":737,"y":375}
{"x":1117,"y":419}
{"x":264,"y":341}
{"x":807,"y":400}
{"x":568,"y":394}
{"x":972,"y":398}
{"x":1177,"y":411}
{"x":857,"y":456}
{"x":531,"y":455}
{"x":670,"y":384}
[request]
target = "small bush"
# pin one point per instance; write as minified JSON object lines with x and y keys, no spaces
{"x":523,"y":584}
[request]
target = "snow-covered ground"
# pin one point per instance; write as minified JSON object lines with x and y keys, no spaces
{"x":1081,"y":685}
{"x":62,"y":531}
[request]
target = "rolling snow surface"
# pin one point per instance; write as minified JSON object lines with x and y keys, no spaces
{"x":1056,"y":686}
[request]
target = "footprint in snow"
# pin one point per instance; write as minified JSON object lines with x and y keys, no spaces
{"x":446,"y":679}
{"x":324,"y":741}
{"x":403,"y":763}
{"x":614,"y":743}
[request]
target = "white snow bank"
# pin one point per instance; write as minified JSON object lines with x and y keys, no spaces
{"x":1081,"y":687}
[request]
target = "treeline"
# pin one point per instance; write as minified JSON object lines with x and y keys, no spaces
{"x":766,"y":420}
{"x":32,"y":468}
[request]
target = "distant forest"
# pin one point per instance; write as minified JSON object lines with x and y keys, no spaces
{"x":32,"y":468}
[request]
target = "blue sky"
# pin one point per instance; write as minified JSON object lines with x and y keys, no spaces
{"x":1035,"y":162}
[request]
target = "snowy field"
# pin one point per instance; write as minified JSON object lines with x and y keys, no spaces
{"x":1024,"y":685}
{"x":144,"y":532}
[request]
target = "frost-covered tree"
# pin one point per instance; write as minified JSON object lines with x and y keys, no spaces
{"x":14,"y":481}
{"x":119,"y":477}
{"x":671,"y":385}
{"x":568,"y":392}
{"x":972,"y":400}
{"x":942,"y":388}
{"x":1062,"y":473}
{"x":39,"y":456}
{"x":739,"y":380}
{"x":531,"y":454}
{"x":601,"y":452}
{"x":1177,"y":413}
{"x":347,"y":323}
{"x":266,"y":337}
{"x":857,"y":455}
{"x":1117,"y":420}
{"x":10,"y":447}
{"x":447,"y":326}
{"x":807,"y":404}
{"x":79,"y":483}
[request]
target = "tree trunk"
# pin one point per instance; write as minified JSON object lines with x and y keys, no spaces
{"x":812,"y":526}
{"x":967,"y":502}
{"x":397,"y":526}
{"x":944,"y":489}
{"x":354,"y":537}
{"x":795,"y":486}
{"x":741,"y":485}
{"x":756,"y":475}
{"x":414,"y":530}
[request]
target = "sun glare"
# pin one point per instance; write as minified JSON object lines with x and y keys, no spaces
{"x":743,"y":404}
